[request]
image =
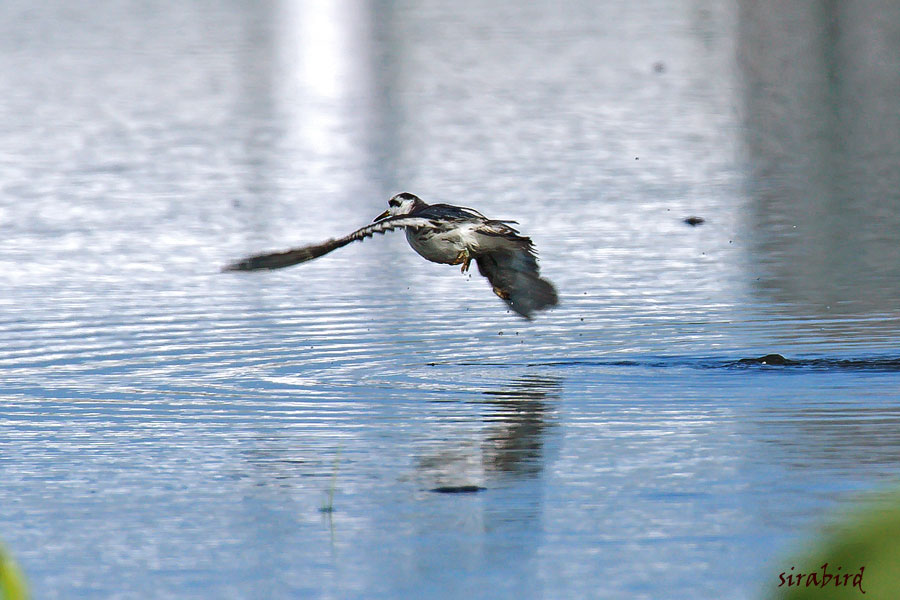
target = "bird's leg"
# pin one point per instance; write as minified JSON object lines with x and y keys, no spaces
{"x":465,"y":258}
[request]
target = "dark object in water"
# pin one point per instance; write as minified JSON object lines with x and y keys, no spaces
{"x":457,"y":489}
{"x":694,"y":221}
{"x":867,"y":364}
{"x":769,"y":359}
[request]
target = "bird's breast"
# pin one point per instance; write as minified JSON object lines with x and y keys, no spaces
{"x":436,"y":246}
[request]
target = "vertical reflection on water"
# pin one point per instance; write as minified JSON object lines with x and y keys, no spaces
{"x":310,"y":87}
{"x":519,"y":415}
{"x":821,"y":126}
{"x":255,"y":106}
{"x":325,"y":73}
{"x":512,"y":442}
{"x":456,"y":537}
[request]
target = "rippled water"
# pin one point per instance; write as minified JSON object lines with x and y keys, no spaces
{"x":167,"y":430}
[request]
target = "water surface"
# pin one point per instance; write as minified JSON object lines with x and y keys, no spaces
{"x":170,"y":431}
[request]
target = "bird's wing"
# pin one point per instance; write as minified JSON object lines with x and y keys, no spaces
{"x":448,"y":212}
{"x":278,"y":260}
{"x":511,"y":268}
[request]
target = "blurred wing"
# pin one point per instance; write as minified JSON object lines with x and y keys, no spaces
{"x":278,"y":260}
{"x":514,"y":274}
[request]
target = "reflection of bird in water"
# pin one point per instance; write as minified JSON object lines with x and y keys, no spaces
{"x":445,"y":234}
{"x":520,"y":414}
{"x":512,"y":431}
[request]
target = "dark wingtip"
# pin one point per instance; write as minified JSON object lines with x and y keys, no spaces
{"x":240,"y":265}
{"x":522,"y":312}
{"x":257,"y":263}
{"x":541,"y":297}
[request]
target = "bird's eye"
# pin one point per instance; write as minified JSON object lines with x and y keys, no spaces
{"x":393,"y":202}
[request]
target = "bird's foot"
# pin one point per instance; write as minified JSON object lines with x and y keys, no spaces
{"x":502,"y":294}
{"x":464,"y":258}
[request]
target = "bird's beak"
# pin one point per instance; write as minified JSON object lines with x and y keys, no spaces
{"x":383,"y":215}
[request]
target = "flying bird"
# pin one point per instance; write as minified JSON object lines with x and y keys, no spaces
{"x":444,"y":234}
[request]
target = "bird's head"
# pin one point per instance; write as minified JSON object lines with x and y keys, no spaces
{"x":401,"y":204}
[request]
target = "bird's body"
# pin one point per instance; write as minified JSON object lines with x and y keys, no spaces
{"x":444,"y":234}
{"x":443,"y":244}
{"x":460,"y":230}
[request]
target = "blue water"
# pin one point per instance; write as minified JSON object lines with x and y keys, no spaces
{"x":167,"y":430}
